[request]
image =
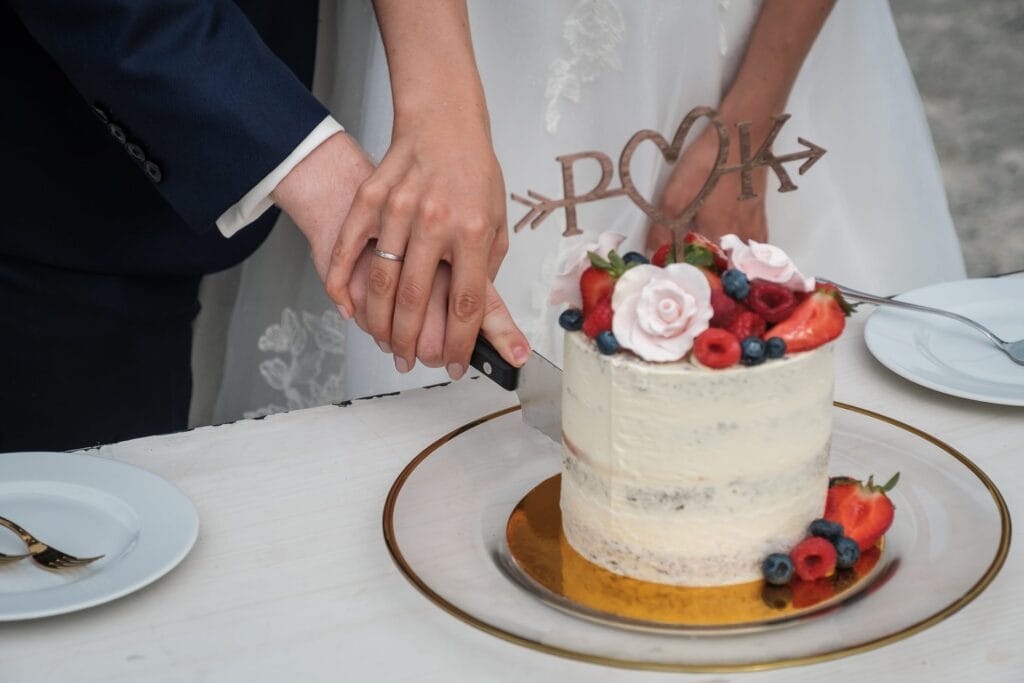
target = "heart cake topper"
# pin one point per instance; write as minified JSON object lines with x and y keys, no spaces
{"x":541,"y":207}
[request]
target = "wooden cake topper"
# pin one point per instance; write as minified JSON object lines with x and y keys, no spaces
{"x":541,"y":207}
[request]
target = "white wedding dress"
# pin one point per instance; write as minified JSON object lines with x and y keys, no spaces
{"x":566,"y":76}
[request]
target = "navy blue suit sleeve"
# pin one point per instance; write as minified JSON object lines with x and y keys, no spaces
{"x":190,"y":84}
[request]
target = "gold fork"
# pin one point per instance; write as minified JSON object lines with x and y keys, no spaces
{"x":45,"y":555}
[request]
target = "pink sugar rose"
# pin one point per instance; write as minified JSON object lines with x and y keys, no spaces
{"x":566,"y":288}
{"x":765,"y":262}
{"x":659,"y":311}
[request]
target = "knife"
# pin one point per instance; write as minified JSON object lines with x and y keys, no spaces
{"x":538,"y":384}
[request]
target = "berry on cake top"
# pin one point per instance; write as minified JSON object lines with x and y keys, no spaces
{"x":716,"y":304}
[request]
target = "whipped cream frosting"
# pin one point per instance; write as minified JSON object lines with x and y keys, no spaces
{"x":680,"y":474}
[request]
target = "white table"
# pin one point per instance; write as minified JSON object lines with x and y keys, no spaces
{"x":290,"y":579}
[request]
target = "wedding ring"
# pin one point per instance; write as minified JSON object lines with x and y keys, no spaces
{"x":388,"y":255}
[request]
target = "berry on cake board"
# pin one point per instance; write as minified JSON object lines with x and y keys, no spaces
{"x":863,"y":509}
{"x":746,"y":323}
{"x":813,"y":558}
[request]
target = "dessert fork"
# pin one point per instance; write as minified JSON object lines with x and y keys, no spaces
{"x":1013,"y":349}
{"x":45,"y":555}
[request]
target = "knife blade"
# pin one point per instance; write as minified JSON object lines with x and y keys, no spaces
{"x":538,"y":384}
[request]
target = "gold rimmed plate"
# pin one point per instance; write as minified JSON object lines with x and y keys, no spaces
{"x":445,"y":524}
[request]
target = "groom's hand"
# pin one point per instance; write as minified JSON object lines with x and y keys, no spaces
{"x":497,"y":326}
{"x":318,"y":194}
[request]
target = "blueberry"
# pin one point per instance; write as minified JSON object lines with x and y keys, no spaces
{"x":735,"y":284}
{"x":752,"y":351}
{"x":635,"y":258}
{"x":847,"y":552}
{"x":830,"y":531}
{"x":777,"y":569}
{"x":607,"y":343}
{"x":571,"y":319}
{"x":776,"y":347}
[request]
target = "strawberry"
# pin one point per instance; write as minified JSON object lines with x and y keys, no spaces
{"x":819,"y":319}
{"x":725,"y":308}
{"x":813,"y":558}
{"x":663,"y":256}
{"x":714,"y":281}
{"x":717,"y":348}
{"x":747,"y":323}
{"x":864,"y":510}
{"x":770,"y":300}
{"x":694,"y":241}
{"x":596,"y":284}
{"x":599,"y":319}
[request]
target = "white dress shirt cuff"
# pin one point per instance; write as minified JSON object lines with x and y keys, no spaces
{"x":257,"y":200}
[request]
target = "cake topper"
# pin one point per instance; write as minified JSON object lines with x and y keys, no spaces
{"x":541,"y":207}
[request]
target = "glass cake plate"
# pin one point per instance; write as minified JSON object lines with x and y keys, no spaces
{"x":446,"y":516}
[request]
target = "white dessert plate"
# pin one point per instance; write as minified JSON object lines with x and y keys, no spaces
{"x":947,"y":356}
{"x":86,"y":505}
{"x":446,"y":515}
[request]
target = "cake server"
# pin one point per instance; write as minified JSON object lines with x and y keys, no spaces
{"x":538,"y":384}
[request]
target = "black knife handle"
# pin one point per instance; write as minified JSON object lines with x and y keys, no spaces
{"x":488,"y":361}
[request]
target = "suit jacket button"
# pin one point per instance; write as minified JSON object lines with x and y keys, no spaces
{"x":102,"y":115}
{"x":135,"y":152}
{"x":153,"y":171}
{"x":117,"y":132}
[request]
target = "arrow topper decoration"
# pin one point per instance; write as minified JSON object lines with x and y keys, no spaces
{"x":540,"y":207}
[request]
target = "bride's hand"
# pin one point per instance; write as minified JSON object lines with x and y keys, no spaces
{"x":721,"y":213}
{"x":437,"y":197}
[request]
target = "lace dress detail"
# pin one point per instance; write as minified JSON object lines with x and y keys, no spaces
{"x":307,"y":370}
{"x":593,"y":31}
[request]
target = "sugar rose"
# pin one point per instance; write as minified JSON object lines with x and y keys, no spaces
{"x":566,"y":288}
{"x":765,"y":262}
{"x":659,"y":311}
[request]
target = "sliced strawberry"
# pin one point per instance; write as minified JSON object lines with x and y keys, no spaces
{"x":817,"y":320}
{"x":663,"y":256}
{"x":599,"y":319}
{"x":770,"y":300}
{"x":713,"y":280}
{"x":725,"y":309}
{"x":596,"y":284}
{"x":747,"y":324}
{"x":813,"y":558}
{"x":864,"y":510}
{"x":717,"y":348}
{"x":720,"y":260}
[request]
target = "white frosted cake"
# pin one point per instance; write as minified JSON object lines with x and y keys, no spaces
{"x":678,"y":474}
{"x":696,"y":408}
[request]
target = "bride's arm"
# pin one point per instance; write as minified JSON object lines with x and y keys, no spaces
{"x":438,"y":194}
{"x":782,"y":36}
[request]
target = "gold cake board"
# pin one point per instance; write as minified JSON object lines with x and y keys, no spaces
{"x":540,"y":551}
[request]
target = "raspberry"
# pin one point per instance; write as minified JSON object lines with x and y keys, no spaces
{"x":598,"y":320}
{"x":725,"y":308}
{"x":771,"y":301}
{"x":747,"y":324}
{"x":813,"y":558}
{"x":716,"y":348}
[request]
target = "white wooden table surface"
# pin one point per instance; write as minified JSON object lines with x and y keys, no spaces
{"x":290,"y":579}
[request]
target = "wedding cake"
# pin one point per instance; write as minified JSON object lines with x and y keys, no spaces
{"x":696,"y":408}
